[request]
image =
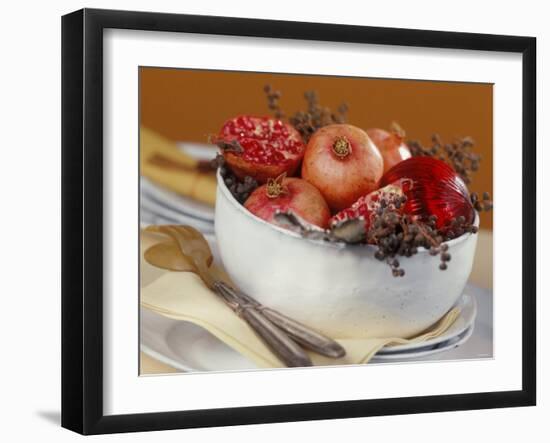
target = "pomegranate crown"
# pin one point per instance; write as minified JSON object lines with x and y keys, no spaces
{"x":341,"y":147}
{"x":275,"y":186}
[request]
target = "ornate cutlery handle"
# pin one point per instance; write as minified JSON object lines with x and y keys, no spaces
{"x":304,"y":335}
{"x":283,"y":346}
{"x":299,"y":332}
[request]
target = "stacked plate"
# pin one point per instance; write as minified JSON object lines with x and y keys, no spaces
{"x":188,"y":347}
{"x":160,"y":206}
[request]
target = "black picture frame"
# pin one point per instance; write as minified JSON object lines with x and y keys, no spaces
{"x":82,"y":218}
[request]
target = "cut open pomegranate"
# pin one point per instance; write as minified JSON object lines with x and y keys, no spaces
{"x":260,"y":147}
{"x":366,"y":206}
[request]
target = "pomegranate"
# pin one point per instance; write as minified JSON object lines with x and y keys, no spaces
{"x":436,"y":190}
{"x":260,"y":147}
{"x":367,"y":205}
{"x":289,"y":194}
{"x":343,"y":163}
{"x":390,"y":145}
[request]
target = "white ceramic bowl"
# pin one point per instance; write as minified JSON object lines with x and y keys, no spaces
{"x":340,"y":290}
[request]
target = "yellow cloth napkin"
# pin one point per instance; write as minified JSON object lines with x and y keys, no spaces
{"x":163,"y":163}
{"x":184,"y":296}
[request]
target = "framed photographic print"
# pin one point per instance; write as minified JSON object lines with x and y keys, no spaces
{"x":270,"y":221}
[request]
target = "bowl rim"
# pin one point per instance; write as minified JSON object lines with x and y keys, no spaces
{"x":340,"y":245}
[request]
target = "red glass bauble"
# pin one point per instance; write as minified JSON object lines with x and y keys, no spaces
{"x":436,"y":189}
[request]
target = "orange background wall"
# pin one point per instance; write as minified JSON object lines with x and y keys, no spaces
{"x":191,"y":104}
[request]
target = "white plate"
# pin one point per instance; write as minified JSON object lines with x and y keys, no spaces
{"x":182,"y":344}
{"x":200,"y":151}
{"x":187,"y":347}
{"x":176,"y":202}
{"x":147,"y":218}
{"x":443,"y":346}
{"x":468,"y":311}
{"x":148,"y":205}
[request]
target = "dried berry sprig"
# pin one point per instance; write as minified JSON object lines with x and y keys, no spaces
{"x":240,"y":189}
{"x":458,"y":154}
{"x":273,"y":98}
{"x":314,"y":117}
{"x":485,"y":204}
{"x":458,"y":226}
{"x":396,"y":234}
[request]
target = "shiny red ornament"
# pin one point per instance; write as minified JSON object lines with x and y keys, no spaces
{"x":436,"y":190}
